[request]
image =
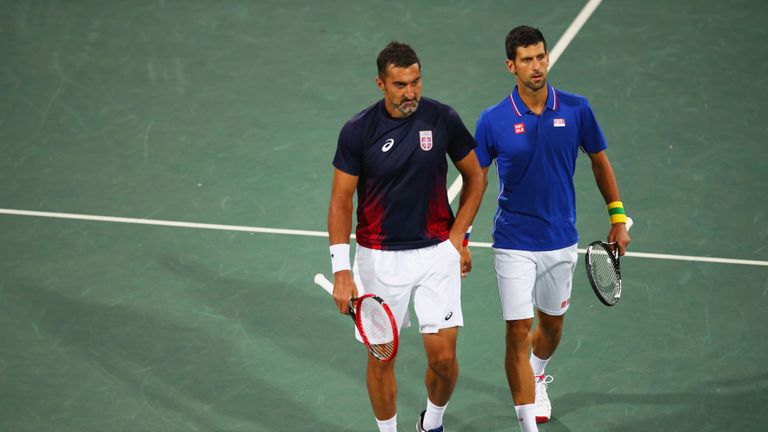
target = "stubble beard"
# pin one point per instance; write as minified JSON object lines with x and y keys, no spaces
{"x":536,"y":87}
{"x":407,"y":110}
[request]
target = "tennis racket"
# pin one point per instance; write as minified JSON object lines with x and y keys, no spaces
{"x":604,"y":271}
{"x":374,"y":321}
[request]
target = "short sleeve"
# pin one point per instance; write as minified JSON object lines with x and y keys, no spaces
{"x":349,"y":152}
{"x":485,"y":151}
{"x":592,"y":139}
{"x":461,"y":141}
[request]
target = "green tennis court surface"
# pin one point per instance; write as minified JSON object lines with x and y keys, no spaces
{"x":228,"y":112}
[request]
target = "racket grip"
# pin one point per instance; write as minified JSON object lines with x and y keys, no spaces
{"x":324,"y":283}
{"x":628,"y":224}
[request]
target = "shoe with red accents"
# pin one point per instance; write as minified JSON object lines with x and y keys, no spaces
{"x":543,"y":407}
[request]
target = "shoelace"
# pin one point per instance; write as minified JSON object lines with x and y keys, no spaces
{"x":542,"y":380}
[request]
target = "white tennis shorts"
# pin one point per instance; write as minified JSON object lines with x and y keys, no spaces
{"x":430,"y":275}
{"x":534,"y":279}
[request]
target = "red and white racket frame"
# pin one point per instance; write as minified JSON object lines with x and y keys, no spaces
{"x":324,"y":283}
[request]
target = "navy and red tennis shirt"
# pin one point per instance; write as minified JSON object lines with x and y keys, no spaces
{"x":401,"y":165}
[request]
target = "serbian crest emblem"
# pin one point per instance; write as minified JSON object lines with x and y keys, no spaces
{"x":425,"y":140}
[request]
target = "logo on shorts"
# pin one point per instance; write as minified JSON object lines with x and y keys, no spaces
{"x":447,"y":317}
{"x":387,"y":145}
{"x":520,"y":128}
{"x":565,"y":303}
{"x":425,"y":140}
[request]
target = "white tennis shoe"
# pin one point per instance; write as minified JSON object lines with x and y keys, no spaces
{"x":543,"y":409}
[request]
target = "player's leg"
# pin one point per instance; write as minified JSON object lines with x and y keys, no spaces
{"x":546,"y":338}
{"x":441,"y":375}
{"x":516,"y":364}
{"x":369,"y":267}
{"x":437,"y":302}
{"x":382,"y":387}
{"x":516,"y":275}
{"x":552,"y":296}
{"x":442,"y":367}
{"x":519,"y":372}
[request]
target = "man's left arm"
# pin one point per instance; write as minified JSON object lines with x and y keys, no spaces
{"x":609,"y":188}
{"x":469,"y":202}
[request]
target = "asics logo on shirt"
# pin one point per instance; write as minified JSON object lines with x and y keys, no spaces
{"x":387,"y":145}
{"x":447,"y":317}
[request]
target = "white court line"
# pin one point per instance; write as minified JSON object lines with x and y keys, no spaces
{"x":571,"y":31}
{"x":220,"y":227}
{"x":554,"y":55}
{"x":669,"y":257}
{"x":163,"y":223}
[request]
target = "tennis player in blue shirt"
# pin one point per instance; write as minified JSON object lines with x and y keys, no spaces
{"x":534,"y":135}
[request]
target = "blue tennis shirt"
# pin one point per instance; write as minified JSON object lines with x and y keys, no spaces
{"x":536,"y":160}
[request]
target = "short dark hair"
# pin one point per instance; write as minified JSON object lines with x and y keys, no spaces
{"x":396,"y":54}
{"x":523,"y":36}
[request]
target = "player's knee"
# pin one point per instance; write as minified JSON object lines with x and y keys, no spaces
{"x":379,"y":369}
{"x":518,"y":334}
{"x":553,"y":331}
{"x":443,"y":363}
{"x":552,"y":326}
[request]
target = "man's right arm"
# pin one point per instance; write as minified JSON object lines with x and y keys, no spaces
{"x":339,"y":229}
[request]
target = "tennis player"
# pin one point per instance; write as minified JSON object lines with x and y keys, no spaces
{"x":409,"y":244}
{"x":534,"y":135}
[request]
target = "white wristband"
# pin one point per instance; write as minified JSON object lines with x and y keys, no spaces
{"x":340,"y":257}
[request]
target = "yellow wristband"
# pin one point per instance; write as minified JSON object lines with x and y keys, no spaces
{"x":619,"y":218}
{"x":616,"y":212}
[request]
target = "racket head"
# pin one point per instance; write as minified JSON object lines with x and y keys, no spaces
{"x":602,"y":263}
{"x":377,"y":326}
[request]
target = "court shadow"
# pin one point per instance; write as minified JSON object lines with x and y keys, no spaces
{"x":500,"y":390}
{"x":728,"y":404}
{"x":301,"y":320}
{"x":291,"y":317}
{"x":497,"y":416}
{"x":174,"y":368}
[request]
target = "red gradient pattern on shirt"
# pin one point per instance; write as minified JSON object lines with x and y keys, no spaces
{"x":438,"y":212}
{"x":370,"y":217}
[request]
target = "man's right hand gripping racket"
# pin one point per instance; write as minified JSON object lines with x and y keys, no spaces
{"x":603,"y":270}
{"x":374,"y":321}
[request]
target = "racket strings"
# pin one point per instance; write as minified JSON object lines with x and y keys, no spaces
{"x":603,"y":271}
{"x":376,"y":328}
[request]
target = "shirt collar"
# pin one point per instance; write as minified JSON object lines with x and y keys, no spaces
{"x":520,"y":108}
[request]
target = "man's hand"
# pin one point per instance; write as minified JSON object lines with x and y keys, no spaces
{"x":620,"y":235}
{"x":466,"y":261}
{"x":344,"y":289}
